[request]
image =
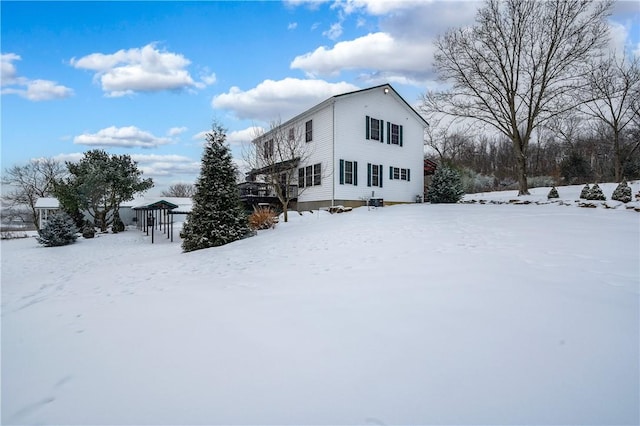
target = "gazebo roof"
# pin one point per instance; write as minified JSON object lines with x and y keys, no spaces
{"x":156,"y":205}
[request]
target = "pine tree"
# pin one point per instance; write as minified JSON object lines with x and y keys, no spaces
{"x":622,"y":192}
{"x":596,"y":193}
{"x":59,"y":230}
{"x":553,"y":193}
{"x":584,"y":194}
{"x":217,"y":217}
{"x":446,"y":186}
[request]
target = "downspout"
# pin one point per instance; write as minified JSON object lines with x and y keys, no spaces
{"x":333,"y":154}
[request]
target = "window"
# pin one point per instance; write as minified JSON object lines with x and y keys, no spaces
{"x":301,"y":177}
{"x":374,"y":129}
{"x":292,"y":134}
{"x":374,"y":175}
{"x":394,"y":134}
{"x":348,"y":172}
{"x":310,"y":176}
{"x":397,"y":173}
{"x":317,"y":174}
{"x":308,"y":134}
{"x":268,"y":148}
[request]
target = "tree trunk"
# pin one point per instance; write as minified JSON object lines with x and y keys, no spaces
{"x":617,"y":157}
{"x":521,"y":164}
{"x":285,"y":208}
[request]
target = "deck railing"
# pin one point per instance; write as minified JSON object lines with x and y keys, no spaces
{"x":254,"y":190}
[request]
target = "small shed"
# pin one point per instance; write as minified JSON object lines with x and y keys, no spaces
{"x":46,"y":206}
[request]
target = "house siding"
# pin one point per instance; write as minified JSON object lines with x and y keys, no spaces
{"x":352,"y":145}
{"x":320,"y":151}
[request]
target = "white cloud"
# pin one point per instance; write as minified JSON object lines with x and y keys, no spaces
{"x":201,"y":135}
{"x":152,"y":165}
{"x":239,"y":137}
{"x":209,"y":79}
{"x":8,"y":72}
{"x":175,"y":131}
{"x":33,"y":90}
{"x":311,"y":4}
{"x":273,"y":100}
{"x":334,"y":32}
{"x":292,"y":26}
{"x":166,"y":165}
{"x":145,"y":69}
{"x":377,"y":7}
{"x":236,"y":137}
{"x":126,"y":137}
{"x":375,"y":51}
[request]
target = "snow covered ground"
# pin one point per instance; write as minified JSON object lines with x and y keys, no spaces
{"x":414,"y":314}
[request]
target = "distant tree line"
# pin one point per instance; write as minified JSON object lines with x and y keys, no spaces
{"x":536,"y":76}
{"x":573,"y":151}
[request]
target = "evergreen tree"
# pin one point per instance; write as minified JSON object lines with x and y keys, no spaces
{"x":584,"y":194}
{"x":596,"y":193}
{"x":446,"y":186}
{"x":217,"y":217}
{"x":622,"y":192}
{"x":59,"y":230}
{"x":553,"y":193}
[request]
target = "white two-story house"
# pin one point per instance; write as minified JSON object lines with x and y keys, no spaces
{"x":360,"y":146}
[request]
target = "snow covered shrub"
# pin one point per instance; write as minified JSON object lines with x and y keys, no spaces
{"x":59,"y":230}
{"x":262,"y":218}
{"x":596,"y":193}
{"x":540,"y":181}
{"x":118,"y":224}
{"x":622,"y":192}
{"x":446,"y":186}
{"x":88,"y":231}
{"x":553,"y":193}
{"x":584,"y":194}
{"x":473,"y":182}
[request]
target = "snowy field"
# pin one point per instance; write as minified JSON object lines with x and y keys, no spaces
{"x":414,"y":314}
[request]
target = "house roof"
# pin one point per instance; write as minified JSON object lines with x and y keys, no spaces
{"x":47,"y":203}
{"x":355,"y":92}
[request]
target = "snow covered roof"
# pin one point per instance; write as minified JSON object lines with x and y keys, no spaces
{"x":179,"y":204}
{"x":47,"y":203}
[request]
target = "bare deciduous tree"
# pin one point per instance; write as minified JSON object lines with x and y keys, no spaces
{"x":518,"y":66}
{"x":612,"y":96}
{"x":185,"y":190}
{"x":30,"y":182}
{"x":275,"y":157}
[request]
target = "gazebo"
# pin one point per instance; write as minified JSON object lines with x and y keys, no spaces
{"x":155,"y":215}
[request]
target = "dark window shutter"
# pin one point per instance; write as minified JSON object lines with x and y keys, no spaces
{"x":408,"y":174}
{"x":341,"y":172}
{"x":390,"y":172}
{"x":388,"y":132}
{"x":400,"y":135}
{"x":355,"y":173}
{"x":301,"y":177}
{"x":366,"y":126}
{"x":381,"y":131}
{"x":368,"y":174}
{"x":380,"y":173}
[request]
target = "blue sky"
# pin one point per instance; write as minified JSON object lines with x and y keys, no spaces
{"x":148,"y":78}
